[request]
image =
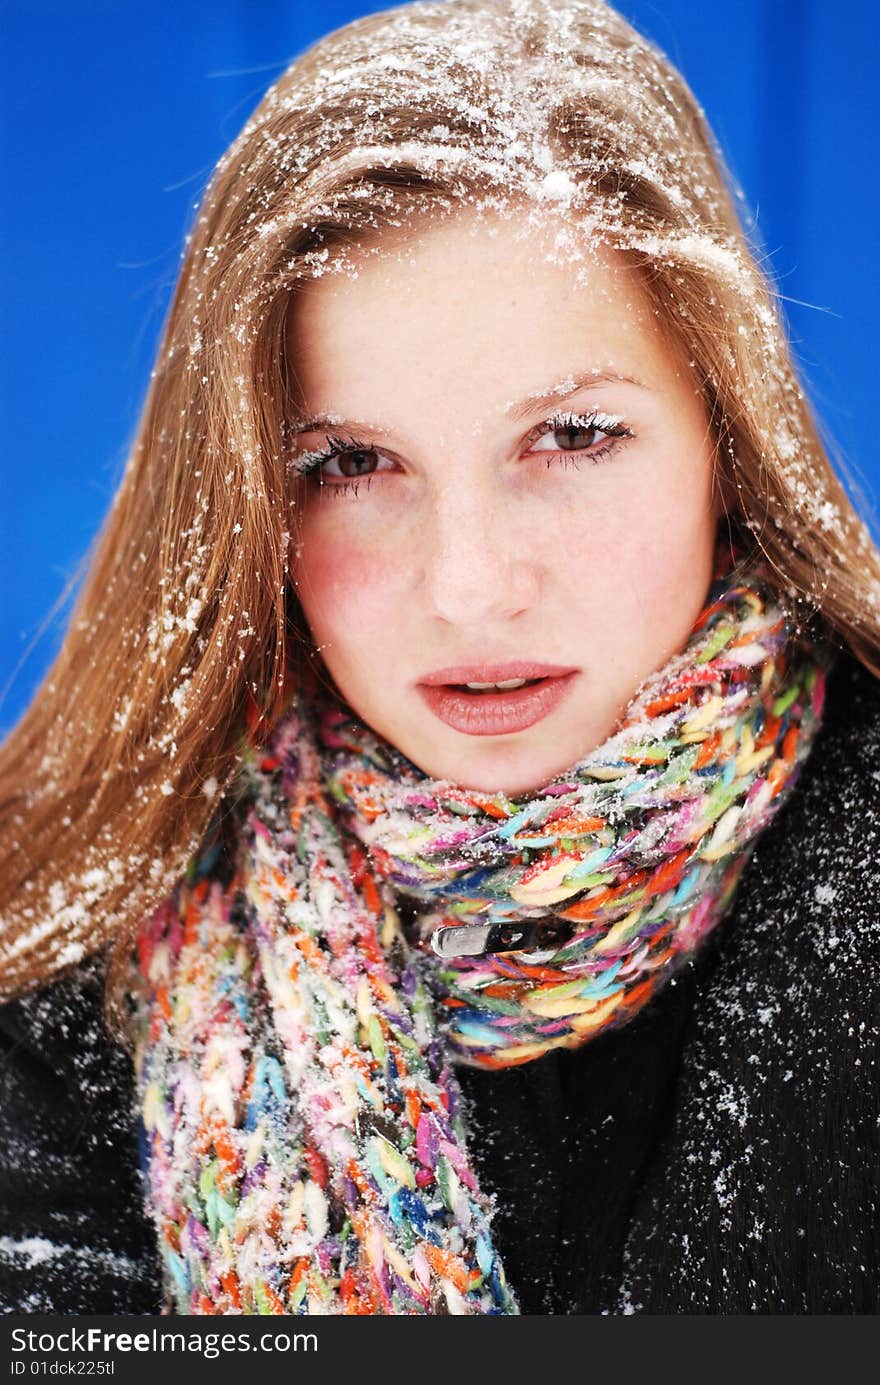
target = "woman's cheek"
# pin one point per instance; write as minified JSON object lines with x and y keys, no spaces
{"x":349,"y":588}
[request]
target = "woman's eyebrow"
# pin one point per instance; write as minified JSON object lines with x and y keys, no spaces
{"x":322,"y":423}
{"x":572,"y":384}
{"x":540,"y":399}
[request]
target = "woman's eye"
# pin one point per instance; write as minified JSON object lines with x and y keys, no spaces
{"x":572,"y":439}
{"x":353,"y":462}
{"x":340,"y":462}
{"x":345,"y":461}
{"x":580,"y":435}
{"x":592,"y":435}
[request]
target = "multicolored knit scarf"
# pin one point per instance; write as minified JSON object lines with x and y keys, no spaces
{"x":304,"y":1143}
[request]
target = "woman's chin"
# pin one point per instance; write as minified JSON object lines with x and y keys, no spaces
{"x":510,"y":769}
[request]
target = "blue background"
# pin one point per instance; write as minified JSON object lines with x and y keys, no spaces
{"x":113,"y":115}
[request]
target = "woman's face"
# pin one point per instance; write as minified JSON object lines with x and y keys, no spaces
{"x":518,"y":486}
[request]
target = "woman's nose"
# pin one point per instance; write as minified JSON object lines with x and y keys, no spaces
{"x":479,"y":559}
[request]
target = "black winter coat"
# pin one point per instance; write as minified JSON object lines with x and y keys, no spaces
{"x":720,"y":1154}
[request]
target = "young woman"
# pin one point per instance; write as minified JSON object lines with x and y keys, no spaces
{"x":460,"y":768}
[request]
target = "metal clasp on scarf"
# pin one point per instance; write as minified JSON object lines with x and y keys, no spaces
{"x":476,"y":940}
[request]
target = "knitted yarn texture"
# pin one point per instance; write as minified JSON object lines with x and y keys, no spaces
{"x":304,"y":1142}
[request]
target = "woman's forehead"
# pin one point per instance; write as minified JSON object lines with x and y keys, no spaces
{"x":490,"y":319}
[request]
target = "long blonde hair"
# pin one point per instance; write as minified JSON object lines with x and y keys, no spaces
{"x":186,"y":624}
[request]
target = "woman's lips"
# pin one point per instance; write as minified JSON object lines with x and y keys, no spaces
{"x":495,"y":713}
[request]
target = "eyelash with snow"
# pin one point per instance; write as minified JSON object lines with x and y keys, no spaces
{"x":613,"y":427}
